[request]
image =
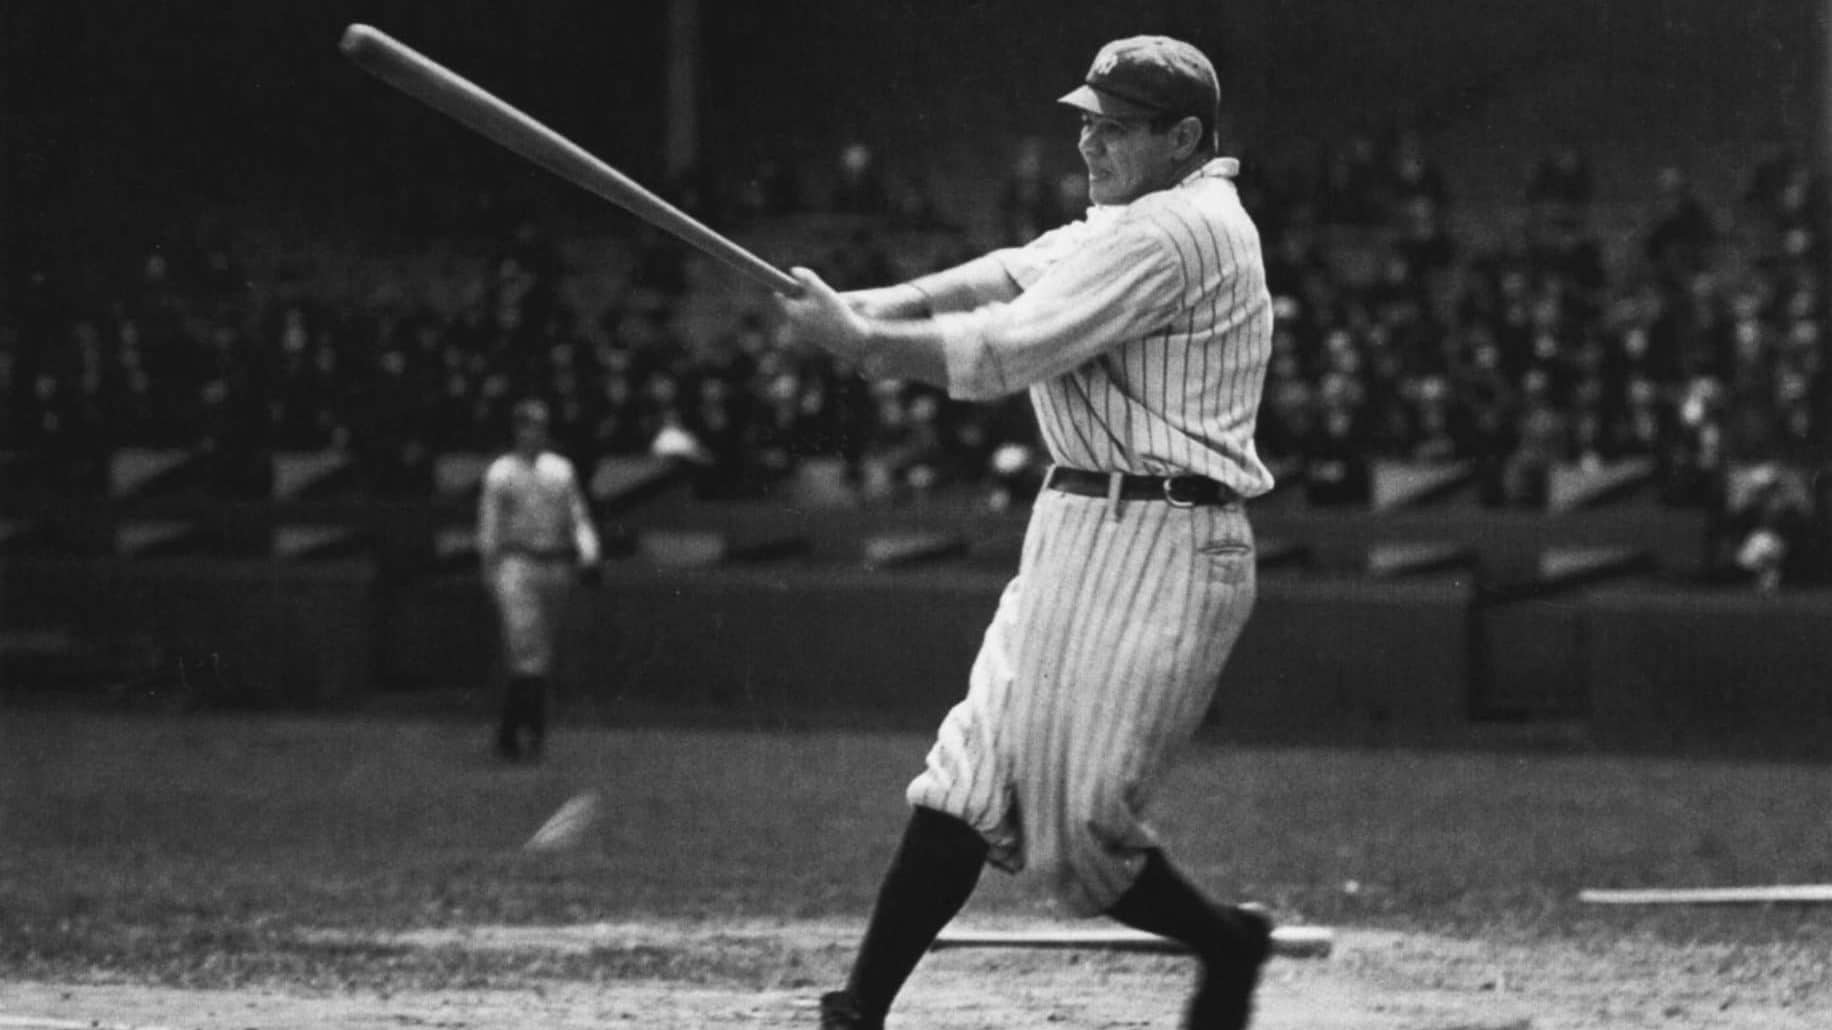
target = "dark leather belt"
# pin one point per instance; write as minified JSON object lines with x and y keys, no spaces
{"x":1178,"y":491}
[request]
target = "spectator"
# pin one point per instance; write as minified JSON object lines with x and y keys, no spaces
{"x":1543,"y":441}
{"x":1561,"y":255}
{"x":1680,"y":241}
{"x":717,"y":422}
{"x":916,"y":207}
{"x":1029,"y":202}
{"x":770,"y":191}
{"x":1424,"y":243}
{"x":860,"y":187}
{"x":1768,"y":534}
{"x":1336,"y":468}
{"x":1816,"y":555}
{"x":1287,"y":424}
{"x":448,"y":420}
{"x":1690,"y":330}
{"x":1560,"y":187}
{"x":780,"y":432}
{"x":860,"y":260}
{"x":1072,"y":193}
{"x":1413,"y":177}
{"x":617,"y":428}
{"x":1435,"y":433}
{"x":1643,"y":425}
{"x":1350,"y":191}
{"x":658,"y":273}
{"x":1697,"y":451}
{"x":1669,"y":351}
{"x":1786,"y":194}
{"x":1016,"y":471}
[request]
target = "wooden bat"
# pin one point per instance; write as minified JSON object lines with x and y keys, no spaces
{"x":424,"y":79}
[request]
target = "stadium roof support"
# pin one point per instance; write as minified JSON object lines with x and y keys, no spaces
{"x":683,"y":123}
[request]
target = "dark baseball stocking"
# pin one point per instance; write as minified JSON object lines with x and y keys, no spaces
{"x":932,"y":875}
{"x":1231,"y":943}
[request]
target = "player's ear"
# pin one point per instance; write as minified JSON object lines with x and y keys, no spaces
{"x":1187,"y":134}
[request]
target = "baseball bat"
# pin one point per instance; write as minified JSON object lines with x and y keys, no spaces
{"x":437,"y":86}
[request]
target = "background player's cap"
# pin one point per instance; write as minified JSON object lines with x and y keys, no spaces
{"x":1149,"y":77}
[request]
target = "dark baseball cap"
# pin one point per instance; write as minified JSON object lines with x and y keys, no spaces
{"x":1149,"y":77}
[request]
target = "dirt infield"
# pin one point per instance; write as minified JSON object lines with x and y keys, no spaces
{"x":1374,"y":980}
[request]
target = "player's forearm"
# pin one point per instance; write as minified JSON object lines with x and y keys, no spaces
{"x":983,"y":280}
{"x":904,"y":340}
{"x":905,"y":350}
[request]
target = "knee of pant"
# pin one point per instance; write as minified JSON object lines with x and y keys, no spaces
{"x":946,"y":836}
{"x":1107,"y":808}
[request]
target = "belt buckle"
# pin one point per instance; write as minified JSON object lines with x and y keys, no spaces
{"x":1170,"y":494}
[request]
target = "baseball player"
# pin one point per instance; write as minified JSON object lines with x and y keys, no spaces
{"x":1142,"y":333}
{"x":535,"y":537}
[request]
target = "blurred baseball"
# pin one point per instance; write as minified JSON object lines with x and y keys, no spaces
{"x":569,"y":826}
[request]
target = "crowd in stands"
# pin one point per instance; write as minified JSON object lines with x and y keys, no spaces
{"x":1697,"y":349}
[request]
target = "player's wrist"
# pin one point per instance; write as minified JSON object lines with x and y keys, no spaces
{"x":900,"y":302}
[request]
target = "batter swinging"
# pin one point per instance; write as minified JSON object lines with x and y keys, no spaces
{"x":1142,"y":333}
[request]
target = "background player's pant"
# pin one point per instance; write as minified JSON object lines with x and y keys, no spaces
{"x":1100,"y":663}
{"x":530,"y":597}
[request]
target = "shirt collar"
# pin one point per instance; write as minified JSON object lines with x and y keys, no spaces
{"x":1214,"y":168}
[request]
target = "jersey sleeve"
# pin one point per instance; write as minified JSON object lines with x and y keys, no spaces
{"x":584,"y":531}
{"x":489,"y":511}
{"x":1028,"y":264}
{"x":1096,"y":289}
{"x":998,"y":276}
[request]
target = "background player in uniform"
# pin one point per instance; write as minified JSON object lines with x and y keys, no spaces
{"x":1142,"y":333}
{"x":535,"y":536}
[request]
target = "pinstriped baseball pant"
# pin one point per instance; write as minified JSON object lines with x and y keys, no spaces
{"x":1098,"y":666}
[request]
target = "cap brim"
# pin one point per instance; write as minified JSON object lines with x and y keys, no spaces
{"x":1093,"y":101}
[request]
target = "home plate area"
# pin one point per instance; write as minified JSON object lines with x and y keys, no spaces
{"x":1011,"y":974}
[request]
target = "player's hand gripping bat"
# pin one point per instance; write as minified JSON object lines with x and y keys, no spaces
{"x":424,"y":79}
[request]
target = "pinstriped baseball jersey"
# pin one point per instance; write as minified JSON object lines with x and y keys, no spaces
{"x":1143,"y":334}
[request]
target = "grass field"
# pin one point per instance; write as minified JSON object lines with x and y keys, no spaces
{"x":216,"y":851}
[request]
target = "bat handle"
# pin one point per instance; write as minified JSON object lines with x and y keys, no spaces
{"x":751,"y":267}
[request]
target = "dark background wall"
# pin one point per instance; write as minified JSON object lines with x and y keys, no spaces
{"x":115,"y":115}
{"x":1420,"y":659}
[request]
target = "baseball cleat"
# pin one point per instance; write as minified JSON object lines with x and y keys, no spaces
{"x":1224,"y":997}
{"x":840,"y":1011}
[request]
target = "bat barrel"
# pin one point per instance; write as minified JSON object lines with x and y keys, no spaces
{"x":424,"y":79}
